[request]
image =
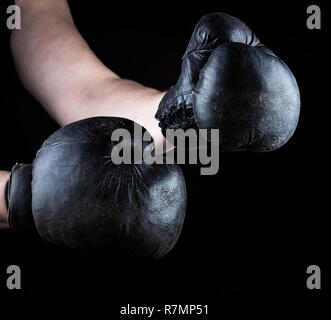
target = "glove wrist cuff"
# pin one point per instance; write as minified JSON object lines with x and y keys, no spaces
{"x":176,"y":111}
{"x":19,"y":199}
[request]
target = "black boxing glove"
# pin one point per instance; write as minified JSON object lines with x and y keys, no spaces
{"x":81,"y":199}
{"x":230,"y":81}
{"x":19,"y":199}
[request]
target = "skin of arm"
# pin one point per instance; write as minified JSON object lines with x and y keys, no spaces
{"x":59,"y":69}
{"x":4,"y":177}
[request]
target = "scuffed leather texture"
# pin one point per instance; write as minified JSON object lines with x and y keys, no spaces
{"x":257,"y":108}
{"x":19,"y":199}
{"x":81,"y":199}
{"x":230,"y":81}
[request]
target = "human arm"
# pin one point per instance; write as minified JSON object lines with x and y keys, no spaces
{"x":59,"y":69}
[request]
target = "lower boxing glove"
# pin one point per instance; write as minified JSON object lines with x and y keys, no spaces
{"x":81,"y":199}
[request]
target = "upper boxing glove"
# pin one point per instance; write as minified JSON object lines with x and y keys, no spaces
{"x":230,"y":81}
{"x":82,"y":199}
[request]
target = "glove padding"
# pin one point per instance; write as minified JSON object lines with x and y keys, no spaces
{"x":81,"y":199}
{"x":230,"y":81}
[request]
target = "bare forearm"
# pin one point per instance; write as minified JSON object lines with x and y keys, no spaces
{"x":52,"y":59}
{"x":61,"y":71}
{"x":4,"y":176}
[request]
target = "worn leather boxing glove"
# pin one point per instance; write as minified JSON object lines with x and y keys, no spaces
{"x":82,"y":199}
{"x":230,"y":81}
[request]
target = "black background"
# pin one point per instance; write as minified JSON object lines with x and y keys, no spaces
{"x":251,"y":230}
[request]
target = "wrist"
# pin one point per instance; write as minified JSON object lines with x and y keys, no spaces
{"x":4,"y":177}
